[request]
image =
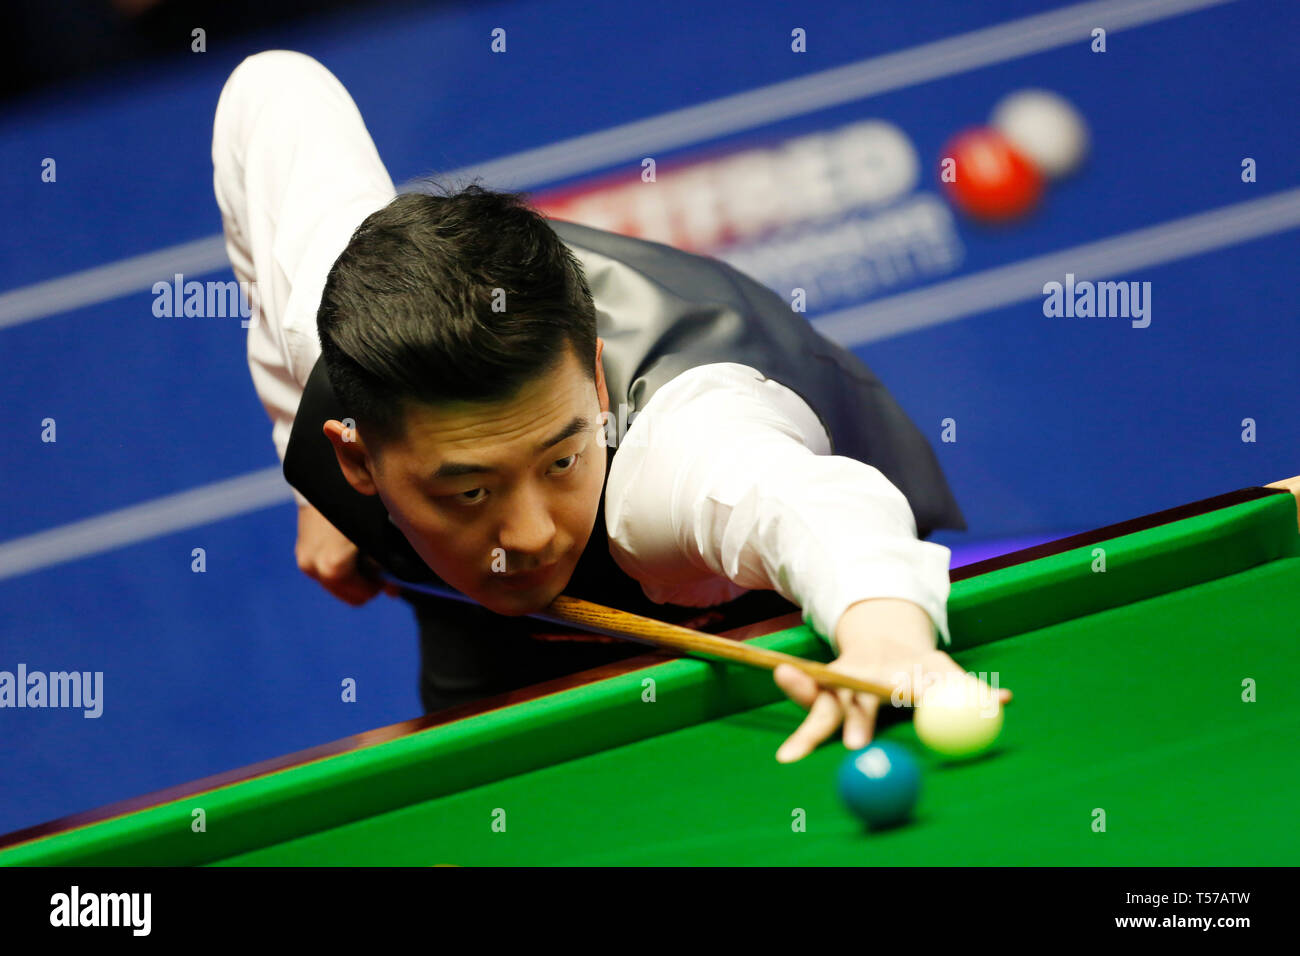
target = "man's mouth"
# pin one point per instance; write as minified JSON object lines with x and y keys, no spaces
{"x":529,"y":579}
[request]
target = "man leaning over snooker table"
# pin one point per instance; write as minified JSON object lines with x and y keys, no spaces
{"x":444,"y":374}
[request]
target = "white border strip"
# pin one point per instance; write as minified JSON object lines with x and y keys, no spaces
{"x":104,"y":283}
{"x":142,"y":522}
{"x":1022,"y":281}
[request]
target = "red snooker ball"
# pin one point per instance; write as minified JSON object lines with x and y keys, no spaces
{"x":988,"y":178}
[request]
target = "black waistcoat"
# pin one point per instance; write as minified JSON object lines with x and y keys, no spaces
{"x":660,"y":312}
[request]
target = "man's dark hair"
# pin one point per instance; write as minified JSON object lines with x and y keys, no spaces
{"x":406,"y":317}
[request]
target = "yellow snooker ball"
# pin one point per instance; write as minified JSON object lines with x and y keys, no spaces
{"x":958,"y":718}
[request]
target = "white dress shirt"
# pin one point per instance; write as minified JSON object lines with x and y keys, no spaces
{"x":723,"y":483}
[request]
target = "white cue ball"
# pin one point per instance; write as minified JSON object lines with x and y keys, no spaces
{"x":958,"y":718}
{"x":1046,"y":128}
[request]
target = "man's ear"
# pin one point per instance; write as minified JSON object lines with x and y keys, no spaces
{"x":602,"y":392}
{"x":351,"y":453}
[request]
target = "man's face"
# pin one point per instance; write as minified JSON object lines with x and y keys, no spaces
{"x":498,"y":499}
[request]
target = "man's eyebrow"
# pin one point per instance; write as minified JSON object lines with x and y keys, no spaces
{"x":454,"y":469}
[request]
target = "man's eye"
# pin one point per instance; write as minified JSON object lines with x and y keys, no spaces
{"x":562,"y":466}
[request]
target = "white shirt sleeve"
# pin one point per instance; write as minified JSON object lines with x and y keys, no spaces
{"x":725,"y":483}
{"x":295,"y":172}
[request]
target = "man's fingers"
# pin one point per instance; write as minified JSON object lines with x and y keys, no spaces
{"x":355,"y":590}
{"x":797,"y":685}
{"x":345,"y":581}
{"x":372,"y":570}
{"x":860,"y":721}
{"x":932,"y":669}
{"x":823,"y":717}
{"x":944,"y":667}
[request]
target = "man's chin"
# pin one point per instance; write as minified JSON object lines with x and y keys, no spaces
{"x":517,"y":607}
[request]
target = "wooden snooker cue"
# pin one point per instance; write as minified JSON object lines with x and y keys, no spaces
{"x":608,"y":620}
{"x":588,"y":616}
{"x":1292,"y":485}
{"x":578,"y":612}
{"x":612,"y":622}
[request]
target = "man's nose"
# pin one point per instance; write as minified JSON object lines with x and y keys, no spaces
{"x":528,"y":531}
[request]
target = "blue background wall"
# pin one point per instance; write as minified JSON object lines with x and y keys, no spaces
{"x":1062,"y":425}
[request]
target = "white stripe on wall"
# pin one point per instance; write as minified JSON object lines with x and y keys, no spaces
{"x":142,"y":522}
{"x":1022,"y":281}
{"x":703,"y":122}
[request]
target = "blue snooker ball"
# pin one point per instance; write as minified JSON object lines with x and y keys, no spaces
{"x":880,"y":783}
